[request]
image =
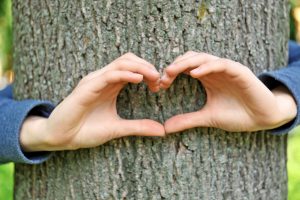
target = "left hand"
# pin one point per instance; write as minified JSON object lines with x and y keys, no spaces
{"x":236,"y":99}
{"x":88,"y":116}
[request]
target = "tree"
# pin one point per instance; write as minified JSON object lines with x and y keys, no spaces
{"x":58,"y":42}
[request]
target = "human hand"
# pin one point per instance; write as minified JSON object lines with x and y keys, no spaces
{"x":236,"y":99}
{"x":88,"y":116}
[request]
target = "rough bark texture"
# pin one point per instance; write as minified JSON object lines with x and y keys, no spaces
{"x":58,"y":42}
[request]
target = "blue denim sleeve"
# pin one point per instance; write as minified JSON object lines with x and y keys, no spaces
{"x":12,"y":115}
{"x":290,"y":78}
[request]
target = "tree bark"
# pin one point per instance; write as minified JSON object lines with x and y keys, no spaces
{"x":57,"y":42}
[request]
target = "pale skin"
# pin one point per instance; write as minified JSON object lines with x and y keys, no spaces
{"x":236,"y":101}
{"x":88,"y":116}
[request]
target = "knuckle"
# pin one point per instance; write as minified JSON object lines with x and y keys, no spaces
{"x":203,"y":54}
{"x":226,"y":61}
{"x":169,"y":70}
{"x":226,"y":64}
{"x":108,"y":75}
{"x":83,"y":80}
{"x":122,"y":62}
{"x":208,"y":56}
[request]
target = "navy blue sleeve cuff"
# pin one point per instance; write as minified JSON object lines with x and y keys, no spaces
{"x":13,"y":113}
{"x":294,"y":52}
{"x":290,"y":78}
{"x":7,"y":92}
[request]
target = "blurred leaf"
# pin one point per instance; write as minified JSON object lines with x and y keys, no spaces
{"x":6,"y":181}
{"x":2,"y":7}
{"x":295,"y":3}
{"x":6,"y":171}
{"x":5,"y":35}
{"x":294,"y":164}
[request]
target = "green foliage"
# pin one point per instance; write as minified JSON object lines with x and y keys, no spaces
{"x":6,"y":171}
{"x":295,"y":3}
{"x":292,"y":27}
{"x":6,"y":181}
{"x":2,"y":8}
{"x":294,"y":165}
{"x":5,"y":34}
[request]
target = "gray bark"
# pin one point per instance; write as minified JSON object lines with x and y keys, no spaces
{"x":58,"y":42}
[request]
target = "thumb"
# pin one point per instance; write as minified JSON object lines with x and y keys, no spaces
{"x":143,"y":127}
{"x":186,"y":121}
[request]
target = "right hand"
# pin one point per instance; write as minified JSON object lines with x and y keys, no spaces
{"x":88,"y":116}
{"x":236,"y":99}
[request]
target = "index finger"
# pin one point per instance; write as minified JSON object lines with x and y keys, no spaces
{"x":187,"y":63}
{"x":132,"y":56}
{"x":190,"y":62}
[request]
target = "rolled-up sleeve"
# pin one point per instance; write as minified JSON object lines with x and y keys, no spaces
{"x":12,"y":115}
{"x":290,"y":78}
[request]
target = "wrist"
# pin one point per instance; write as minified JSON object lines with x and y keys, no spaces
{"x":32,"y":135}
{"x":286,"y":104}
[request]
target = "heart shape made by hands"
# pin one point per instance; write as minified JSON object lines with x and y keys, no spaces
{"x":236,"y":99}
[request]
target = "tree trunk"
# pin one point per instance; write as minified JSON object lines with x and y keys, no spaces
{"x":57,"y":42}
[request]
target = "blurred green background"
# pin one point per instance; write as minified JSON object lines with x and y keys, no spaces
{"x":7,"y":170}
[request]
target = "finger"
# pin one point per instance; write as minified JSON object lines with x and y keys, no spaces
{"x":87,"y":94}
{"x":139,"y":59}
{"x":151,"y":77}
{"x":143,"y":127}
{"x":190,"y":62}
{"x":178,"y":58}
{"x":115,"y":77}
{"x":186,"y":55}
{"x":96,"y":84}
{"x":186,"y":121}
{"x":222,"y":65}
{"x":137,"y":67}
{"x":153,"y":86}
{"x":131,"y":63}
{"x":166,"y":80}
